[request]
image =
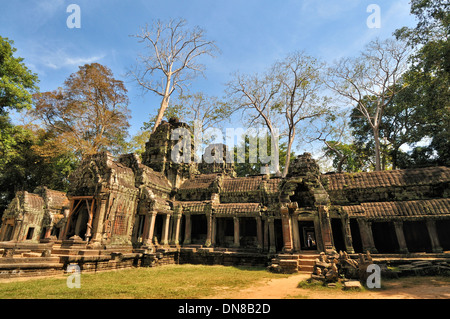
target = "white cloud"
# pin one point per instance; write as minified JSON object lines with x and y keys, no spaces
{"x":46,"y":58}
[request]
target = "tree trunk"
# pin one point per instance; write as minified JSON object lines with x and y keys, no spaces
{"x":376,"y":137}
{"x":276,"y":150}
{"x":164,"y":105}
{"x":288,"y":154}
{"x":341,"y":163}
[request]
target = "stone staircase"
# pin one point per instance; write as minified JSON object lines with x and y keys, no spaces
{"x":306,"y":262}
{"x":292,"y":263}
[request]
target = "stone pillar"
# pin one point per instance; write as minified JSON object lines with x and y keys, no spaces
{"x":435,"y":245}
{"x":165,"y":230}
{"x":16,"y":234}
{"x":188,"y":229}
{"x":97,"y":226}
{"x":259,"y":233}
{"x":208,"y":241}
{"x":325,"y":226}
{"x":236,"y":232}
{"x":272,"y":247}
{"x":365,"y":228}
{"x":214,"y":230}
{"x":287,"y":230}
{"x":176,"y":229}
{"x":149,"y":227}
{"x":346,"y":231}
{"x":2,"y":231}
{"x":403,"y":248}
{"x":266,"y":235}
{"x":295,"y":232}
{"x":88,"y":234}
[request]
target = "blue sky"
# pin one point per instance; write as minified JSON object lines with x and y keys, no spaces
{"x":251,"y":34}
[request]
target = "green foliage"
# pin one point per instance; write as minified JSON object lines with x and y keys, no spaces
{"x":246,"y":168}
{"x":17,"y":82}
{"x":429,"y":82}
{"x":22,"y":167}
{"x":351,"y":158}
{"x":89,"y":114}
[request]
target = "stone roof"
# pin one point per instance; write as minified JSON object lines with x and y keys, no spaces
{"x":242,"y":184}
{"x":55,"y":199}
{"x":195,"y":206}
{"x":24,"y":202}
{"x":400,"y":209}
{"x":405,"y":177}
{"x":149,"y":176}
{"x":237,"y":208}
{"x":199,"y":182}
{"x":273,"y":184}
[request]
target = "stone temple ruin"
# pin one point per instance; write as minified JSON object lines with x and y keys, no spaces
{"x":124,"y":212}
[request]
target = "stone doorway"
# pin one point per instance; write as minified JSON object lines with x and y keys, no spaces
{"x":198,"y":233}
{"x":225,"y":232}
{"x":9,"y":232}
{"x":384,"y":237}
{"x":416,"y":236}
{"x":338,"y":234}
{"x":81,"y":218}
{"x":356,"y":236}
{"x":247,"y":231}
{"x":78,"y":223}
{"x":279,"y":243}
{"x":442,"y":228}
{"x":307,"y":233}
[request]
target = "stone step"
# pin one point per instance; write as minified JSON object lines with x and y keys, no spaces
{"x":35,"y":265}
{"x":25,"y":260}
{"x":64,"y":251}
{"x":287,"y":256}
{"x":308,"y":256}
{"x":306,"y":262}
{"x":305,"y":268}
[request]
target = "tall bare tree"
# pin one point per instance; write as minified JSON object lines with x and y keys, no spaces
{"x":172,"y":60}
{"x":368,"y":82}
{"x":257,"y":96}
{"x":301,"y":82}
{"x":282,"y":98}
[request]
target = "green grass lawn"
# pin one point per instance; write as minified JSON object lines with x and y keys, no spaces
{"x":167,"y":282}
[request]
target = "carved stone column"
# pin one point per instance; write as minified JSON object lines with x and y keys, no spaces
{"x":325,"y":226}
{"x":435,"y":244}
{"x":214,"y":231}
{"x":188,"y":229}
{"x":236,"y":232}
{"x":287,"y":230}
{"x":208,"y":230}
{"x":259,"y":232}
{"x":272,"y":247}
{"x":295,"y":232}
{"x":97,"y":226}
{"x":266,"y":235}
{"x":165,"y":230}
{"x":365,"y":228}
{"x":176,"y":229}
{"x":346,"y":231}
{"x":149,"y":227}
{"x":403,"y":248}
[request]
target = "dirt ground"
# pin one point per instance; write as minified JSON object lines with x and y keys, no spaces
{"x":404,"y":288}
